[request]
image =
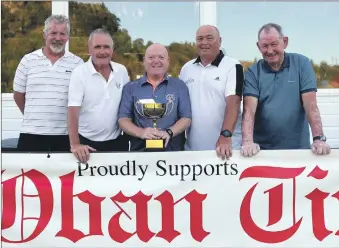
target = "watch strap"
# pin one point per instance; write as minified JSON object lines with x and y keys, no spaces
{"x":170,"y":132}
{"x":320,"y":137}
{"x":226,"y":133}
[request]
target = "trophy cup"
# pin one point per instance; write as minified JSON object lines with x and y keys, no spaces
{"x":154,"y":111}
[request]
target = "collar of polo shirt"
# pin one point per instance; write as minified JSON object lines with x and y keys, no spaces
{"x":215,"y":62}
{"x":143,"y":80}
{"x":92,"y":68}
{"x":286,"y":64}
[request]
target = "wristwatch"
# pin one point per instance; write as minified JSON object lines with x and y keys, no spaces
{"x":321,"y":137}
{"x":226,"y":133}
{"x":170,"y":132}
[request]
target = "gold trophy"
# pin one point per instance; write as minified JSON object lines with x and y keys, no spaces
{"x":154,"y":111}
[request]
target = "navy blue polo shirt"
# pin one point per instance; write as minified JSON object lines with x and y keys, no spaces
{"x":171,"y":91}
{"x":280,"y":119}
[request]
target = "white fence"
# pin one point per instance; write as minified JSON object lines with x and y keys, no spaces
{"x":328,"y":101}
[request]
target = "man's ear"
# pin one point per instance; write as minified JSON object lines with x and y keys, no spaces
{"x":285,"y":39}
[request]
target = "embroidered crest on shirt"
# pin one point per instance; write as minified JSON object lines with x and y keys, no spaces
{"x":118,"y":85}
{"x":170,"y":97}
{"x":190,"y":80}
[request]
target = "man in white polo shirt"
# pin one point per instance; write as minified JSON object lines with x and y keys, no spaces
{"x":41,"y":90}
{"x":215,"y":83}
{"x":94,"y":98}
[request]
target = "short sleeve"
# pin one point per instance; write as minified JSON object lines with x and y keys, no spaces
{"x":181,"y":74}
{"x":184,"y":102}
{"x":80,"y":62}
{"x":20,"y":78}
{"x":235,"y":81}
{"x":251,"y":85}
{"x":76,"y":89}
{"x":126,"y":109}
{"x":308,"y":81}
{"x":126,"y":78}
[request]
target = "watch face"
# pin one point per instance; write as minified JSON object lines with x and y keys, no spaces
{"x":226,"y":133}
{"x":321,"y":138}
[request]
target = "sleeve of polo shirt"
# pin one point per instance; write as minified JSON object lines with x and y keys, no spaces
{"x":126,"y":108}
{"x":235,"y":81}
{"x":181,"y":73}
{"x":80,"y":62}
{"x":251,"y":86}
{"x":308,"y":80}
{"x":76,"y":89}
{"x":20,"y":78}
{"x":184,"y":102}
{"x":126,"y":76}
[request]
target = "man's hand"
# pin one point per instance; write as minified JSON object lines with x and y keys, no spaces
{"x":320,"y":147}
{"x":81,"y":152}
{"x":249,"y":149}
{"x":224,"y":147}
{"x":150,"y":133}
{"x":165,"y":136}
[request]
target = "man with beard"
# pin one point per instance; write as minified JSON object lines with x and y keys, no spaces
{"x":40,"y":90}
{"x":215,"y":83}
{"x":155,"y":87}
{"x":280,"y":99}
{"x":93,"y":101}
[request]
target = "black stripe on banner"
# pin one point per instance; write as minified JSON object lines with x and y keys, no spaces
{"x":239,"y":80}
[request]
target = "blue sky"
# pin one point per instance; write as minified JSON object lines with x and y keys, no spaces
{"x":312,"y":27}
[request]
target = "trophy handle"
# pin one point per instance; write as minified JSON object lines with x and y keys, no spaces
{"x":136,"y":108}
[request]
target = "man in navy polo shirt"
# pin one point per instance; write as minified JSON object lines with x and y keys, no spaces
{"x":156,"y":86}
{"x":280,"y":99}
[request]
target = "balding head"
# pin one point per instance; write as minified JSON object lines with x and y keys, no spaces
{"x":156,"y":48}
{"x":156,"y":60}
{"x":208,"y":42}
{"x":210,"y":29}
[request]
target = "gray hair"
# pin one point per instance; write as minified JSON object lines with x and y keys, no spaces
{"x":60,"y":19}
{"x":267,"y":27}
{"x":100,"y":31}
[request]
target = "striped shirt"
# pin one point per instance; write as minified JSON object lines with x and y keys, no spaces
{"x":46,"y":87}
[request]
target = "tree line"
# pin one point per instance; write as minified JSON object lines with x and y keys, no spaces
{"x":22,"y":24}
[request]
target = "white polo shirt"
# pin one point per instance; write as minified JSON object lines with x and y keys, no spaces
{"x":208,"y":87}
{"x":99,"y":100}
{"x":46,"y":87}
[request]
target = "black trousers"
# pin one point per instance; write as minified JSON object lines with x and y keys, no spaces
{"x":43,"y":143}
{"x":120,"y":144}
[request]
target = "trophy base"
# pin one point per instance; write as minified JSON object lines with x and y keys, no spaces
{"x":155,"y":145}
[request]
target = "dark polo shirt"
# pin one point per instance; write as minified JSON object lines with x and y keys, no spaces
{"x":280,"y":119}
{"x":170,"y":90}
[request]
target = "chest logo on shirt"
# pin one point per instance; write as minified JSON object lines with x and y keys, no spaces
{"x":190,"y":80}
{"x":170,"y":98}
{"x":118,"y":85}
{"x":217,"y":79}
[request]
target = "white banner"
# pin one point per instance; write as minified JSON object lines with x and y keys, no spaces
{"x":175,"y":199}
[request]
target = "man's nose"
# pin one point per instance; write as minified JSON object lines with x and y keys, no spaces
{"x":101,"y":50}
{"x":204,"y":41}
{"x":58,"y":36}
{"x":156,"y":60}
{"x":269,"y":49}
